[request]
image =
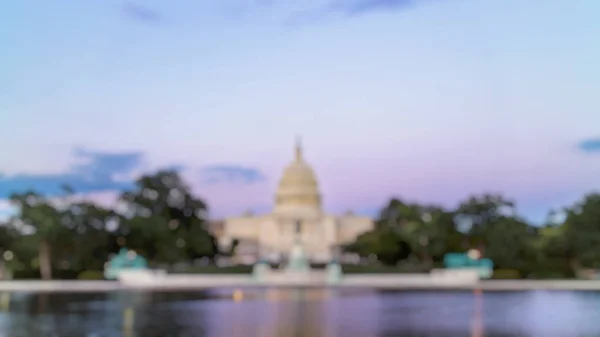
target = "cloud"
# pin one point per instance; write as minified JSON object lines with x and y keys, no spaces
{"x":94,"y":172}
{"x":6,"y":210}
{"x":218,"y":174}
{"x":141,"y":13}
{"x":359,"y":7}
{"x":590,"y":145}
{"x":348,"y":8}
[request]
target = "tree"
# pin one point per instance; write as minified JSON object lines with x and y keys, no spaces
{"x":397,"y":214}
{"x":477,"y":213}
{"x":385,"y":243}
{"x":509,"y":242}
{"x":92,"y":237}
{"x":554,"y":258}
{"x":172,"y":220}
{"x":38,"y":214}
{"x":7,"y":239}
{"x":491,"y":224}
{"x":432,"y":235}
{"x":151,"y":237}
{"x":582,"y":233}
{"x":429,"y":230}
{"x":404,"y":229}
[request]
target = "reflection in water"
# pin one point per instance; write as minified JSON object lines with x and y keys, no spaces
{"x":275,"y":312}
{"x":5,"y":301}
{"x":42,"y":303}
{"x":128,"y":322}
{"x":304,"y":313}
{"x":477,"y":327}
{"x":303,"y":317}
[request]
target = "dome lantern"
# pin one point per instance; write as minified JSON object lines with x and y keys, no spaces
{"x":298,"y":149}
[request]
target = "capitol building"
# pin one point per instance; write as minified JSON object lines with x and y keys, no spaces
{"x":297,"y":215}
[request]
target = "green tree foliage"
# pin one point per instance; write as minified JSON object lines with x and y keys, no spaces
{"x":432,"y":234}
{"x":384,"y":243}
{"x":509,"y":242}
{"x":45,"y":220}
{"x":91,"y":240}
{"x":476,"y":214}
{"x":165,"y":221}
{"x":159,"y":218}
{"x":490,"y":223}
{"x":162,"y":220}
{"x":404,"y":229}
{"x":7,"y":239}
{"x":554,"y":258}
{"x":582,"y":233}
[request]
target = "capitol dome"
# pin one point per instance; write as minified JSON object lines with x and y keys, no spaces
{"x":298,"y":190}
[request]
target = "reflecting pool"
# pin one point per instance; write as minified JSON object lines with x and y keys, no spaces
{"x":302,"y":313}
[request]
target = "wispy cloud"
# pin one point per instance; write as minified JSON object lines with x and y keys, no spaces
{"x":359,"y":7}
{"x":95,"y":172}
{"x":236,"y":174}
{"x":591,"y":145}
{"x":141,"y":13}
{"x":348,"y":8}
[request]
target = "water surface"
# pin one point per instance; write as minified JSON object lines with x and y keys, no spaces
{"x":303,"y":313}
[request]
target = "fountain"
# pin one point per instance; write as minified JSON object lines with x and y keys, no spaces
{"x":298,"y":263}
{"x":297,"y":270}
{"x":471,"y":260}
{"x":125,"y":260}
{"x":333,"y":272}
{"x":260,"y":271}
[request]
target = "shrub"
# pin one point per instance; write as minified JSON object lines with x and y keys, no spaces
{"x":90,"y":275}
{"x":506,"y":274}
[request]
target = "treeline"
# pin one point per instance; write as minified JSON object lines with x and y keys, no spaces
{"x":63,"y":237}
{"x":418,"y":235}
{"x":66,"y":237}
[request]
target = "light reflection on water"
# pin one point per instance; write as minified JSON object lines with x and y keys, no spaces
{"x":305,"y":313}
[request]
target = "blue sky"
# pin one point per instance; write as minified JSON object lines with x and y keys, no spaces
{"x":428,"y":100}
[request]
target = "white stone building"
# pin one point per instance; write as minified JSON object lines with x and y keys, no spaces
{"x":297,"y":214}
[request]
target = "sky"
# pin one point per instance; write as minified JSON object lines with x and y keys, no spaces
{"x":425,"y":100}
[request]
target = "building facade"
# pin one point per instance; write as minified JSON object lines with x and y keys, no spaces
{"x":297,"y":215}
